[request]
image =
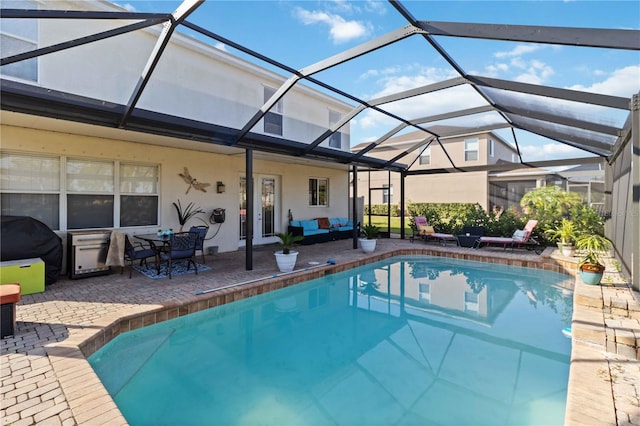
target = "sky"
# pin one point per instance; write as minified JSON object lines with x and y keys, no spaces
{"x":301,"y":33}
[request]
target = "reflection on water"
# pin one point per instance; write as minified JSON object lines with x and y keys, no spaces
{"x":413,"y":340}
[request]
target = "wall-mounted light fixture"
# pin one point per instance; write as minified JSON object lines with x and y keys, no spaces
{"x":220,"y":187}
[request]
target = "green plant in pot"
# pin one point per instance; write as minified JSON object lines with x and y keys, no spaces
{"x":286,"y":258}
{"x":564,"y":234}
{"x":592,"y":247}
{"x":368,"y":242}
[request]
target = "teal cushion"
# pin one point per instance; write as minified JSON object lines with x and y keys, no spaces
{"x":309,"y":225}
{"x":295,"y":223}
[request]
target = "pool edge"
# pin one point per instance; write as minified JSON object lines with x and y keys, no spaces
{"x":93,"y":404}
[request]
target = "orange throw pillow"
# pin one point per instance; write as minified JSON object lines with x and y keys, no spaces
{"x":323,"y":223}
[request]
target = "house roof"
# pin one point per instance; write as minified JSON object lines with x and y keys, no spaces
{"x":572,"y":117}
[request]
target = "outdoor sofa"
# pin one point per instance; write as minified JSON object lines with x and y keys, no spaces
{"x":321,"y":230}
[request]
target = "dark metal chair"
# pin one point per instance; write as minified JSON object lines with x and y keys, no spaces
{"x":201,"y":230}
{"x":131,"y":254}
{"x":181,"y":246}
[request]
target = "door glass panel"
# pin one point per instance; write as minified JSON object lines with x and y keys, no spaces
{"x":268,"y":203}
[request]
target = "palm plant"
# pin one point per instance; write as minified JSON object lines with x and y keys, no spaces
{"x":565,"y":232}
{"x":287,"y":241}
{"x":370,"y":231}
{"x":594,"y":247}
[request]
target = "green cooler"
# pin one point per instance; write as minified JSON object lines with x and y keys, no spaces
{"x":28,"y":272}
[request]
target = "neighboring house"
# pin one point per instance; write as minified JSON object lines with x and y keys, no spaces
{"x":75,"y":176}
{"x":476,"y":149}
{"x":492,"y":190}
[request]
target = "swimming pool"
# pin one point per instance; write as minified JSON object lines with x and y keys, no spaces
{"x":408,"y":340}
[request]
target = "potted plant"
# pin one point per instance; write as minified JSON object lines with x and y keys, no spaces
{"x":187,"y":213}
{"x":368,"y":242}
{"x":564,"y":234}
{"x":592,"y":247}
{"x":286,"y":258}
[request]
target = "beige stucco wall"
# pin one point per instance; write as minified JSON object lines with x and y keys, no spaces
{"x":192,"y":79}
{"x":204,"y":166}
{"x":470,"y":187}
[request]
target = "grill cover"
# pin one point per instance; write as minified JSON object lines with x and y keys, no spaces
{"x":24,"y":237}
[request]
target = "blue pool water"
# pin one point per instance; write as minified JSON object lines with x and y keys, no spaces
{"x":406,"y":341}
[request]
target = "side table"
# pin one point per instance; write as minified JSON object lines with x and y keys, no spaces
{"x":467,"y":240}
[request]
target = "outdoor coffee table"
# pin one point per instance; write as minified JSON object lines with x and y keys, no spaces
{"x":467,"y":240}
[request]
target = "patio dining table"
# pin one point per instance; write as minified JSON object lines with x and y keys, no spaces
{"x":158,"y":243}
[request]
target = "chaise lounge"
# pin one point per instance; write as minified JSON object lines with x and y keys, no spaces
{"x":521,"y":238}
{"x":428,"y":233}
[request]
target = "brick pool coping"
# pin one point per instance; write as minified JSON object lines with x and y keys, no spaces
{"x":590,"y":395}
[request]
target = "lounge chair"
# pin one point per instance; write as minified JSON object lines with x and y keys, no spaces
{"x":521,"y":238}
{"x":426,"y":232}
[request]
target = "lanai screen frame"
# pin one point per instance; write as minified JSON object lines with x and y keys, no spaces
{"x":28,"y":99}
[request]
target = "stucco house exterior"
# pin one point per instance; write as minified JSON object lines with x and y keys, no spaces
{"x":474,"y":149}
{"x":491,"y":189}
{"x":75,"y":176}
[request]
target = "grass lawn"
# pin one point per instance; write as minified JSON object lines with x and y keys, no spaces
{"x":381,"y":222}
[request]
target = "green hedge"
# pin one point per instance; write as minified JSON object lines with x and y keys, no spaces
{"x":381,"y":210}
{"x":450,"y":218}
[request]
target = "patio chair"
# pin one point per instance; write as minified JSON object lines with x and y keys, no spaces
{"x":131,"y":254}
{"x":521,"y":238}
{"x":428,"y":233}
{"x":182,"y":246}
{"x":201,"y":230}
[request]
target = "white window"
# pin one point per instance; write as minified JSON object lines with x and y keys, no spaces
{"x":138,"y":195}
{"x":491,"y":148}
{"x":89,"y":198}
{"x":335,"y":140}
{"x":19,"y":36}
{"x":424,"y":292}
{"x":387,"y":193}
{"x":471,"y":302}
{"x":319,"y":192}
{"x":30,"y":186}
{"x":90,"y":194}
{"x":425,"y":157}
{"x":471,"y":149}
{"x":273,"y":118}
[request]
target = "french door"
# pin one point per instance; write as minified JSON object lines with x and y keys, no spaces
{"x":266,"y":204}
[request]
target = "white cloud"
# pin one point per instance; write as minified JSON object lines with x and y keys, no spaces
{"x":519,"y":50}
{"x":418,"y":106}
{"x":127,"y":6}
{"x":535,"y":152}
{"x":340,"y":30}
{"x":537,"y":72}
{"x":376,"y":7}
{"x":621,"y":82}
{"x":221,"y":46}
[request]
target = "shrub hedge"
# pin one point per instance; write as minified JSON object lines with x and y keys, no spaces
{"x":450,"y":218}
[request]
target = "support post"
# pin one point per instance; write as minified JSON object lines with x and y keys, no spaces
{"x":635,"y":191}
{"x":389,"y":202}
{"x":354,"y":206}
{"x":249,"y":213}
{"x":402,"y":178}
